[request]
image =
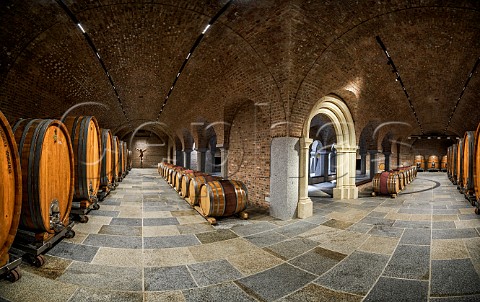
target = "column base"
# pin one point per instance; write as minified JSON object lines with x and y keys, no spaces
{"x":305,"y":208}
{"x":345,"y":193}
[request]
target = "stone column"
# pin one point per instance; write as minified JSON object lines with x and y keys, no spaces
{"x":373,"y":162}
{"x":325,"y":163}
{"x":187,"y":158}
{"x":346,"y":162}
{"x":387,"y":160}
{"x":179,"y":158}
{"x":201,"y":159}
{"x":305,"y":205}
{"x":224,"y":160}
{"x":363,"y":164}
{"x":284,"y":174}
{"x":208,"y":161}
{"x":398,"y":154}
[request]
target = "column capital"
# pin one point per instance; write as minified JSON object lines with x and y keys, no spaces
{"x":202,"y":150}
{"x":387,"y":153}
{"x":374,"y":151}
{"x":222,"y":146}
{"x":346,"y":149}
{"x":305,"y":142}
{"x":187,"y":150}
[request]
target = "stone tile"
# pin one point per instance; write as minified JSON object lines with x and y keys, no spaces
{"x":170,"y":296}
{"x":170,"y":241}
{"x":444,"y":217}
{"x":391,"y":289}
{"x":313,"y":292}
{"x":121,"y":230}
{"x":436,"y":225}
{"x":127,"y":242}
{"x":275,"y":282}
{"x":296,"y":228}
{"x":72,"y":251}
{"x":190,"y":219}
{"x":378,"y":221}
{"x":104,"y":213}
{"x":157,"y":214}
{"x":473,"y":247}
{"x":87,"y":228}
{"x":360,"y":227}
{"x":379,"y":245}
{"x":101,"y":220}
{"x":344,"y":242}
{"x":454,"y":278}
{"x":52,"y":269}
{"x":416,"y":236}
{"x":29,"y":287}
{"x":321,"y":232}
{"x":420,"y":217}
{"x":452,"y":212}
{"x":195,"y":228}
{"x":217,"y":293}
{"x":398,"y":216}
{"x":96,"y":295}
{"x":412,"y":224}
{"x":472,"y":298}
{"x":183,"y":213}
{"x":317,"y":261}
{"x":454,"y":233}
{"x":168,"y":278}
{"x":163,"y":230}
{"x":409,"y":262}
{"x":338,"y":224}
{"x":386,"y":231}
{"x":126,"y":221}
{"x":222,"y":249}
{"x":213,"y":272}
{"x":254,"y":228}
{"x":253,"y":261}
{"x":465,"y":224}
{"x":291,"y":248}
{"x":377,"y":214}
{"x":217,"y":235}
{"x":160,"y":221}
{"x":118,"y":257}
{"x":167,"y":257}
{"x":415,"y":211}
{"x":266,"y":238}
{"x":355,"y":274}
{"x":445,"y":249}
{"x":103,"y":276}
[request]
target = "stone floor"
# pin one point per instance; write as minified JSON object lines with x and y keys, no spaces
{"x":147,"y":244}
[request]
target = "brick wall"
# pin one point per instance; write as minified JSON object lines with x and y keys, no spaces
{"x":156,"y":151}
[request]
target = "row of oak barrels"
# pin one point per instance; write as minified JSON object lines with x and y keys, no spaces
{"x":464,"y":166}
{"x":216,"y":197}
{"x":49,"y":165}
{"x":432,"y":164}
{"x":393,"y":182}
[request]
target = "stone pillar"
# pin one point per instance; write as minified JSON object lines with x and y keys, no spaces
{"x":363,"y":164}
{"x":398,"y":155}
{"x":208,"y":161}
{"x":224,"y":160}
{"x":179,"y":158}
{"x":324,"y":162}
{"x":201,"y":159}
{"x":387,"y":160}
{"x":373,"y":162}
{"x":305,"y":205}
{"x":284,"y":174}
{"x":346,"y":162}
{"x":187,"y":158}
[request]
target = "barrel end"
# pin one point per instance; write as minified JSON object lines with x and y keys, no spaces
{"x":243,"y":215}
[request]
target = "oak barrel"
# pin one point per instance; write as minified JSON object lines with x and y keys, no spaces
{"x":454,"y":166}
{"x":433,"y":163}
{"x":46,"y":158}
{"x":194,"y":187}
{"x":444,"y":163}
{"x":10,"y":189}
{"x":386,"y":183}
{"x":468,"y":159}
{"x":106,"y":171}
{"x":179,"y":178}
{"x":87,"y":148}
{"x":116,"y":158}
{"x":459,"y":163}
{"x":449,"y":162}
{"x":476,"y":165}
{"x":124,"y":159}
{"x":223,"y":198}
{"x":121,"y":159}
{"x":419,"y":162}
{"x":185,"y":184}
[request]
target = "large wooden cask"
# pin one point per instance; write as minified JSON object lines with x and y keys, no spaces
{"x":106,"y":172}
{"x":185,"y":183}
{"x":46,"y":158}
{"x":433,"y":163}
{"x":116,"y":158}
{"x":449,"y":162}
{"x":444,"y":163}
{"x":10,"y":189}
{"x":194,"y":187}
{"x":459,"y":164}
{"x":454,"y":164}
{"x":121,"y":160}
{"x":386,"y":183}
{"x":419,"y":162}
{"x":179,"y":179}
{"x":468,"y":158}
{"x":476,"y":168}
{"x":223,"y":198}
{"x":87,"y":145}
{"x":124,"y":158}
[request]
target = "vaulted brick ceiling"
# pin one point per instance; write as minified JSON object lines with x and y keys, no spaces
{"x":287,"y":54}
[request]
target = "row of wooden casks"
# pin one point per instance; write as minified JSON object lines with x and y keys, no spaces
{"x":393,"y":182}
{"x":433,"y":164}
{"x":45,"y":165}
{"x":464,"y":166}
{"x":216,"y":197}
